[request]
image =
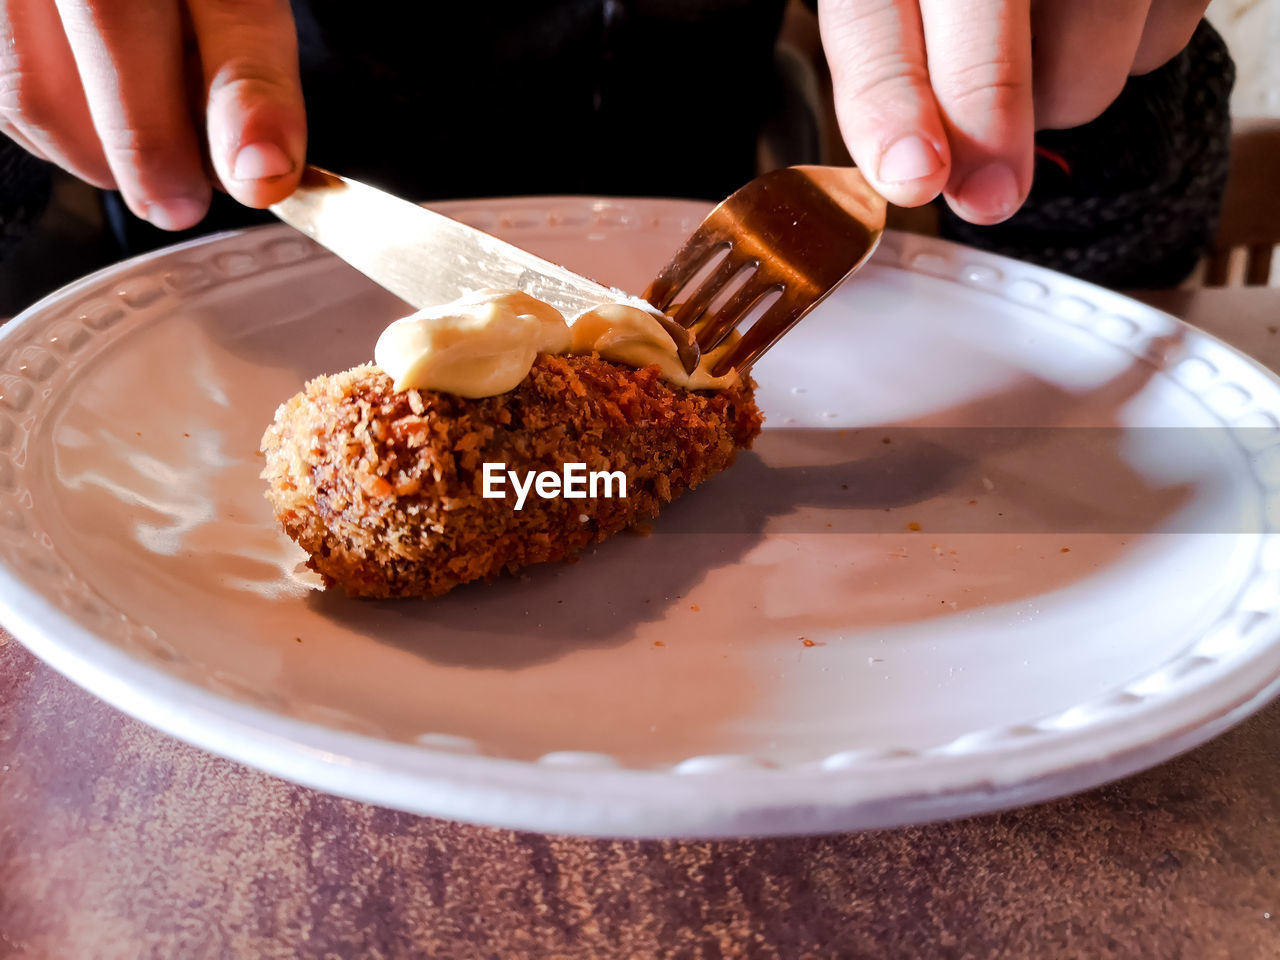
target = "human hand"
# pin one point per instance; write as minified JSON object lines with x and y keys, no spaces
{"x":123,"y":94}
{"x":943,"y":96}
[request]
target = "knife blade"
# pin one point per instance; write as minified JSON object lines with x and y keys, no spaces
{"x":426,"y":258}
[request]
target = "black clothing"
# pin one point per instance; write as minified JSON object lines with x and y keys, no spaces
{"x":667,"y":98}
{"x":508,"y":97}
{"x":24,"y":193}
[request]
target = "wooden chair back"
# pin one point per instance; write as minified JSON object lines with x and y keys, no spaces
{"x":1251,"y":208}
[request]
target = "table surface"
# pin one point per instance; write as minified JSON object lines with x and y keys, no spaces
{"x":118,"y":841}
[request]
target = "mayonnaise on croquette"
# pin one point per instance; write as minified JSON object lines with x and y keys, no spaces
{"x":485,"y":343}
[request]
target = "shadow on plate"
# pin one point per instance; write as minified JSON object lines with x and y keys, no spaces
{"x":866,"y":509}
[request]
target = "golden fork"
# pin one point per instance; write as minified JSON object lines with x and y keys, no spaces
{"x":797,"y":232}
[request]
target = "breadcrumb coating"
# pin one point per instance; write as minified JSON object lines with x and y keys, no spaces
{"x":383,"y":489}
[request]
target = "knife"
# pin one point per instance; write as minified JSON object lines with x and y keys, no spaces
{"x":426,"y":258}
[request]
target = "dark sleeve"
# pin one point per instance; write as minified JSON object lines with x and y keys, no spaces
{"x":1131,"y":199}
{"x":24,"y":193}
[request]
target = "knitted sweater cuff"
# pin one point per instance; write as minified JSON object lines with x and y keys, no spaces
{"x":1131,"y":199}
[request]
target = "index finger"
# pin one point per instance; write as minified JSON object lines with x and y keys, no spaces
{"x":130,"y":61}
{"x":888,"y":116}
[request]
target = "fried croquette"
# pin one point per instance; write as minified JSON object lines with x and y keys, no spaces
{"x":383,"y":489}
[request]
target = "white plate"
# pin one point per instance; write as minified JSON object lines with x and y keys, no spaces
{"x":969,"y":665}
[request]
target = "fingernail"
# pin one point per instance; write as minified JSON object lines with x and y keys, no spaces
{"x":260,"y":161}
{"x":911,"y":158}
{"x":990,"y":192}
{"x":176,"y":214}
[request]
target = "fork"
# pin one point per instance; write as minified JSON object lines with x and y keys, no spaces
{"x":798,"y":232}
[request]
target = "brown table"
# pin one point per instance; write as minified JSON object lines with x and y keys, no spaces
{"x":117,"y":841}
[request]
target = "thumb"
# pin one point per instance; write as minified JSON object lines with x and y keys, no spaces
{"x":256,"y":121}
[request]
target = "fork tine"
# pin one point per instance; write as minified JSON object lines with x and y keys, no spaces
{"x":763,"y":334}
{"x":691,"y":258}
{"x":730,"y":314}
{"x":695,"y":304}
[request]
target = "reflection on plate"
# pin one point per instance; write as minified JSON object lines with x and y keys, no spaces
{"x":1006,"y":536}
